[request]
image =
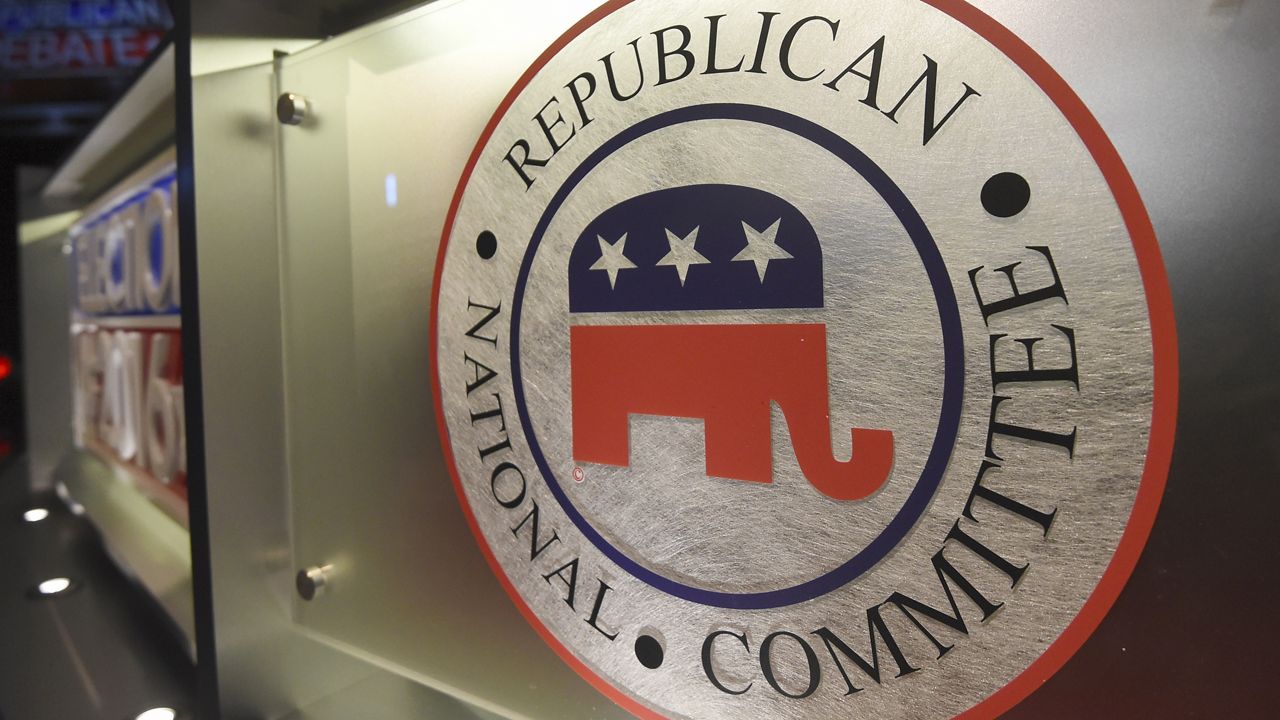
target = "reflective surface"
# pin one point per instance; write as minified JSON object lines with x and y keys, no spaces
{"x":138,"y":534}
{"x":403,"y":99}
{"x":265,"y":668}
{"x":97,"y":648}
{"x":268,"y":666}
{"x":1203,"y":156}
{"x":1184,"y":89}
{"x":44,"y":323}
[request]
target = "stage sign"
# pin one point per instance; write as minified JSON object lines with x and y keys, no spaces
{"x":78,"y":38}
{"x":811,"y":360}
{"x":126,"y":342}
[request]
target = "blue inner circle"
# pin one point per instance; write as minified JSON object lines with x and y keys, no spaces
{"x":952,"y":342}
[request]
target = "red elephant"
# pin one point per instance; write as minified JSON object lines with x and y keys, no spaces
{"x":728,"y":376}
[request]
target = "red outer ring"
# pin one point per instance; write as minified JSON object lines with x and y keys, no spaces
{"x":1164,"y":409}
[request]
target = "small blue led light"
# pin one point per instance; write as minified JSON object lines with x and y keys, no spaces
{"x":392,"y":198}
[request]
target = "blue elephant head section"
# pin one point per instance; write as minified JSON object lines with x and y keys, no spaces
{"x":699,"y":247}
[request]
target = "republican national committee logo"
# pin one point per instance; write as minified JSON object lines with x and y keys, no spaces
{"x":726,"y":374}
{"x":803,"y":362}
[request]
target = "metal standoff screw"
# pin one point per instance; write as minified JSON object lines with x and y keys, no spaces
{"x":311,"y":581}
{"x":291,"y":109}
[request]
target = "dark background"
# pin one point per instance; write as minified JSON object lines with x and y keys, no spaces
{"x":1193,"y":633}
{"x":47,"y":107}
{"x":48,"y":101}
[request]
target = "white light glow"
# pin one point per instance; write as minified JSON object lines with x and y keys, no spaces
{"x":392,"y":190}
{"x":53,"y":586}
{"x":160,"y":713}
{"x":35,"y":514}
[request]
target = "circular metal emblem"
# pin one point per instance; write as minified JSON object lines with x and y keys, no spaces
{"x":815,"y":362}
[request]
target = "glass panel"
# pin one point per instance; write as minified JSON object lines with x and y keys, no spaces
{"x":392,"y":113}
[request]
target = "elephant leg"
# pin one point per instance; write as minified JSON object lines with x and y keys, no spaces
{"x":739,"y":442}
{"x":600,"y":432}
{"x":600,"y":407}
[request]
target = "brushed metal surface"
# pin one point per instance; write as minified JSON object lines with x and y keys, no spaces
{"x":885,"y":355}
{"x":1186,"y":92}
{"x":1203,"y":155}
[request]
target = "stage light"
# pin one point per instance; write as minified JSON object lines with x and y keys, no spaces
{"x":54,"y":586}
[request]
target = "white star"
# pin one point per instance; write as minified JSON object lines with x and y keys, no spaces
{"x":762,"y":247}
{"x":611,"y":258}
{"x":683,"y":254}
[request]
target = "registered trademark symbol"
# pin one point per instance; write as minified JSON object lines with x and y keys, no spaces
{"x":578,"y":475}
